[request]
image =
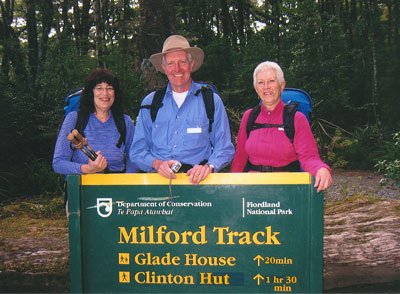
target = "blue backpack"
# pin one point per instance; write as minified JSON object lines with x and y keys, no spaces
{"x":72,"y":100}
{"x":295,"y":100}
{"x":301,"y":97}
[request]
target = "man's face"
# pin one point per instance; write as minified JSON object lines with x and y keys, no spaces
{"x":178,"y":70}
{"x":268,"y":88}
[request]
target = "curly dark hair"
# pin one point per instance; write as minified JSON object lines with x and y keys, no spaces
{"x":94,"y":78}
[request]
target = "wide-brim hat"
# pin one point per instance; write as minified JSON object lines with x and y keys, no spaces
{"x":178,"y":43}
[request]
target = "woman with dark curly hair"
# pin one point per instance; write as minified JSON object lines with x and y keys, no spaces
{"x":102,"y":105}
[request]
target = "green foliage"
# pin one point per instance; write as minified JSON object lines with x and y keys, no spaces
{"x":324,"y":49}
{"x":333,"y":152}
{"x":390,"y":165}
{"x":119,"y":62}
{"x":362,"y":154}
{"x":35,"y":177}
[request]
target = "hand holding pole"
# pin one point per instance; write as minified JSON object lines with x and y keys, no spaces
{"x":80,"y":143}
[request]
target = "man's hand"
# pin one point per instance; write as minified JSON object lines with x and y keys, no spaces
{"x":96,"y":166}
{"x":164,"y":168}
{"x":323,"y":179}
{"x":198,"y":173}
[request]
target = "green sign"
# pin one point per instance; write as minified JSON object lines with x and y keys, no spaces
{"x":233,"y":233}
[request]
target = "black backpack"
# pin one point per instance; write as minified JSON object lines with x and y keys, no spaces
{"x":295,"y":100}
{"x":72,"y":100}
{"x":208,"y":98}
{"x":288,"y":120}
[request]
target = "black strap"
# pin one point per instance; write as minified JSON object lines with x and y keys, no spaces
{"x":83,"y":118}
{"x":208,"y":98}
{"x":289,"y":112}
{"x":156,"y":103}
{"x":81,"y":121}
{"x":120,"y":123}
{"x":185,"y":166}
{"x":291,"y":167}
{"x":252,"y":118}
{"x":288,"y":119}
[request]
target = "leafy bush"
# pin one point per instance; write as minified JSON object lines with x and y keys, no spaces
{"x":390,"y":165}
{"x":362,"y":154}
{"x":35,"y":177}
{"x":333,"y":152}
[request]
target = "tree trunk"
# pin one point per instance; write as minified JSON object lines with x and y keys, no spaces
{"x":100,"y":30}
{"x":361,"y":242}
{"x":157,"y":22}
{"x":224,"y":18}
{"x":12,"y":53}
{"x":47,"y":21}
{"x":33,"y":46}
{"x":371,"y":16}
{"x":276,"y":20}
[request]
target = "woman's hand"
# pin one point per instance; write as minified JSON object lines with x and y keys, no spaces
{"x":323,"y":179}
{"x":96,"y":166}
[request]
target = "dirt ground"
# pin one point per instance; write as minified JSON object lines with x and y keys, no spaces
{"x":34,"y":251}
{"x":365,"y":183}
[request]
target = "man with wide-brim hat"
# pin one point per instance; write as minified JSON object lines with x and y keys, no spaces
{"x":180,"y":130}
{"x":177,"y":43}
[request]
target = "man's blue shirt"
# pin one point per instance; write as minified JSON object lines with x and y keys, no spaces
{"x":182,"y":133}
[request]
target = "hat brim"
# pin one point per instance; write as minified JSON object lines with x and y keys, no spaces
{"x":196,"y":52}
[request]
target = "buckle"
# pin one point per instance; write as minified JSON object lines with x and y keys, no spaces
{"x":267,"y":168}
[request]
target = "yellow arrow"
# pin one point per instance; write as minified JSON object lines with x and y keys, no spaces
{"x":258,"y":278}
{"x":258,"y":258}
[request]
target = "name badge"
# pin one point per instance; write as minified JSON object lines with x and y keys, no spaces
{"x":193,"y":130}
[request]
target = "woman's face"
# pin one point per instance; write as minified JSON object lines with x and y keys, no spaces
{"x":268,"y":88}
{"x":103,"y":96}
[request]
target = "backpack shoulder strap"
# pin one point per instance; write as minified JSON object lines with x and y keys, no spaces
{"x":208,"y":98}
{"x":83,"y":118}
{"x":156,"y":103}
{"x":120,"y":123}
{"x":288,"y":119}
{"x":81,"y":121}
{"x":252,"y":118}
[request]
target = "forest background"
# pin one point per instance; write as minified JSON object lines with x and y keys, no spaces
{"x":344,"y":53}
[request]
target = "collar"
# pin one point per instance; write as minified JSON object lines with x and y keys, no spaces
{"x":277,"y":109}
{"x":193,"y":88}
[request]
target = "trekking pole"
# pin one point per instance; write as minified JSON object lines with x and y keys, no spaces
{"x":83,"y":140}
{"x":80,"y":142}
{"x":79,"y":145}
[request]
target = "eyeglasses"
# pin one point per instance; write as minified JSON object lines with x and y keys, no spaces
{"x":101,"y":89}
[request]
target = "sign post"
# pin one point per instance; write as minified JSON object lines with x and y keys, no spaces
{"x":233,"y":233}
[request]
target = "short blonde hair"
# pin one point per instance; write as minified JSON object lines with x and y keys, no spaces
{"x":266,"y":65}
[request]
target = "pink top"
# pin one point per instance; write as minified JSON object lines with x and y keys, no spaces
{"x":271,"y":146}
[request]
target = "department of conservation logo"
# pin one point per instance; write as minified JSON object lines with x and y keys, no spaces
{"x":104,"y":206}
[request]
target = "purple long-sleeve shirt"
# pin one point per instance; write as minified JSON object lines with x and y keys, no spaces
{"x":101,"y":136}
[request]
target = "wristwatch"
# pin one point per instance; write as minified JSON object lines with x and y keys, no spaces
{"x":210,"y":165}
